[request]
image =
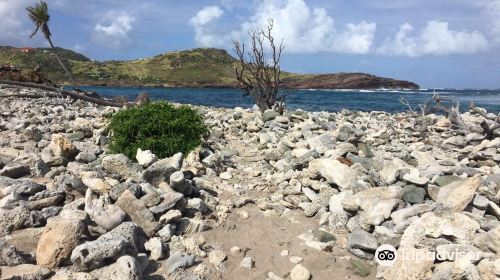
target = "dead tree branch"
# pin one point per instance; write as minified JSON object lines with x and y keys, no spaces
{"x":64,"y":93}
{"x":259,"y":77}
{"x":490,"y":124}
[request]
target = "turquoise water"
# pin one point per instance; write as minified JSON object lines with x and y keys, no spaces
{"x":311,"y":100}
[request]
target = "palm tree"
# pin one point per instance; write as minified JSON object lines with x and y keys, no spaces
{"x":39,"y":14}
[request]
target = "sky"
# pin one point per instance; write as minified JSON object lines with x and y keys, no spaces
{"x":435,"y":43}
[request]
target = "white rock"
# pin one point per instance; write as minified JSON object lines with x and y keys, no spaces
{"x":216,"y":257}
{"x":247,"y":263}
{"x":300,"y":273}
{"x":155,"y":247}
{"x":296,"y":259}
{"x":145,"y":158}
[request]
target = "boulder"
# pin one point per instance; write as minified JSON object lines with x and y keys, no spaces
{"x":161,"y":170}
{"x":122,"y":240}
{"x":9,"y":255}
{"x":155,"y":247}
{"x":362,"y":240}
{"x":121,"y":165}
{"x":402,"y":215}
{"x":489,"y":241}
{"x":333,"y":171}
{"x":179,"y":183}
{"x":62,"y":147}
{"x":138,"y":213}
{"x":178,"y":260}
{"x":97,"y":185}
{"x":58,"y":239}
{"x":102,"y":212}
{"x":126,"y":268}
{"x":458,"y":194}
{"x":12,"y":219}
{"x":410,"y":267}
{"x":24,"y":272}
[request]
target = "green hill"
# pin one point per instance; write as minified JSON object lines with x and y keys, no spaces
{"x":202,"y":67}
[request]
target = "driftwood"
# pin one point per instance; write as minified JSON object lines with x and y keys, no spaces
{"x":490,"y":124}
{"x":63,"y":93}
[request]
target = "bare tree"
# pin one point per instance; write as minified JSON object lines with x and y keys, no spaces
{"x":259,"y":76}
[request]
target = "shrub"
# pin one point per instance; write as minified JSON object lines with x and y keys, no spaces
{"x":157,"y":126}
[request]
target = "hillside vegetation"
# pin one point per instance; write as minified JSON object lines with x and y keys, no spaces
{"x":202,"y":67}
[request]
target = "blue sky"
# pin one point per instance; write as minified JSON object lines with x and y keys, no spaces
{"x":435,"y":43}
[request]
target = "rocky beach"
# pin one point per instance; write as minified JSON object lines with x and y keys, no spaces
{"x":304,"y":195}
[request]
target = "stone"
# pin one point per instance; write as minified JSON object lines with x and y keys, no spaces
{"x":166,"y":232}
{"x":12,"y":219}
{"x":145,"y":158}
{"x":117,"y":190}
{"x":389,"y":170}
{"x":122,"y":240}
{"x":376,"y":204}
{"x":24,"y":272}
{"x":161,"y":170}
{"x":9,"y":255}
{"x":456,"y":226}
{"x":489,"y":241}
{"x":126,"y":268}
{"x":413,"y":194}
{"x":155,"y":247}
{"x":296,"y":259}
{"x":333,"y":171}
{"x":360,"y":267}
{"x":362,"y":240}
{"x":457,"y":195}
{"x":179,"y":184}
{"x":62,"y":147}
{"x":402,"y":215}
{"x":216,"y":257}
{"x":178,"y":260}
{"x":97,"y":185}
{"x":481,"y":202}
{"x":58,"y":239}
{"x":102,"y":212}
{"x":445,"y":180}
{"x":171,"y":216}
{"x":138,"y":213}
{"x":189,"y":226}
{"x":121,"y":165}
{"x":86,"y":157}
{"x":269,"y":115}
{"x":15,"y":171}
{"x":416,"y":180}
{"x":411,"y":266}
{"x":247,"y":262}
{"x":299,"y":272}
{"x":284,"y":253}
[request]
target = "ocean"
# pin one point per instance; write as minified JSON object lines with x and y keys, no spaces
{"x":313,"y":99}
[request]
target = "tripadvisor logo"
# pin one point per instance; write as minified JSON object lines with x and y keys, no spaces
{"x":385,"y":255}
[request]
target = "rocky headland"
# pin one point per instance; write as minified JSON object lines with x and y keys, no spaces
{"x":299,"y":196}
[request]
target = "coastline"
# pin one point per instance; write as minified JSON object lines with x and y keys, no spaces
{"x":309,"y":183}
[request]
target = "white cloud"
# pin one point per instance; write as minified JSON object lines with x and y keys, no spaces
{"x":14,"y":28}
{"x":435,"y":39}
{"x":303,"y":29}
{"x":201,"y":22}
{"x":492,"y":10}
{"x":113,"y":30}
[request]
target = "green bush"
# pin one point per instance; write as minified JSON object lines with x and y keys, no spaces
{"x":157,"y":126}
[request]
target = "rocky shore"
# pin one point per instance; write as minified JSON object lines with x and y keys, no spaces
{"x":307,"y":195}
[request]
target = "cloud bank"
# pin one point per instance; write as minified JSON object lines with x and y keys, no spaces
{"x":434,"y":39}
{"x":303,"y":29}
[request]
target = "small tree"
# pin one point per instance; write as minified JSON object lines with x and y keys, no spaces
{"x":39,"y":15}
{"x":259,"y":77}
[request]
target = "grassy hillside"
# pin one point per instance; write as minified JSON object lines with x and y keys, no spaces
{"x":202,"y":67}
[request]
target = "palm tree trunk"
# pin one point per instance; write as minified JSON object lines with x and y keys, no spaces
{"x":68,"y":73}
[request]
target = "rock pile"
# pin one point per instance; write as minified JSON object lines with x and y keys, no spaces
{"x":369,"y":178}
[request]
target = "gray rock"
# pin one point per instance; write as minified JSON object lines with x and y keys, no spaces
{"x":122,"y":166}
{"x":86,"y":157}
{"x":9,"y":255}
{"x":161,"y":170}
{"x":413,"y":194}
{"x":362,"y":240}
{"x":122,"y":240}
{"x":126,"y":268}
{"x":178,"y":260}
{"x":138,"y":212}
{"x":12,"y":219}
{"x":102,"y":212}
{"x":481,"y":202}
{"x":197,"y":204}
{"x":25,"y":272}
{"x":16,"y":170}
{"x":179,"y":183}
{"x":269,"y":115}
{"x":116,"y":191}
{"x":247,"y":263}
{"x":166,"y":232}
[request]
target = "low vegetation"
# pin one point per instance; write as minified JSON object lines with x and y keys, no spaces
{"x":158,"y":126}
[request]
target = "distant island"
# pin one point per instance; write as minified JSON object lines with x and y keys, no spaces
{"x":202,"y":67}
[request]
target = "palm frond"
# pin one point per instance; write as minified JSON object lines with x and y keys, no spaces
{"x":39,"y":15}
